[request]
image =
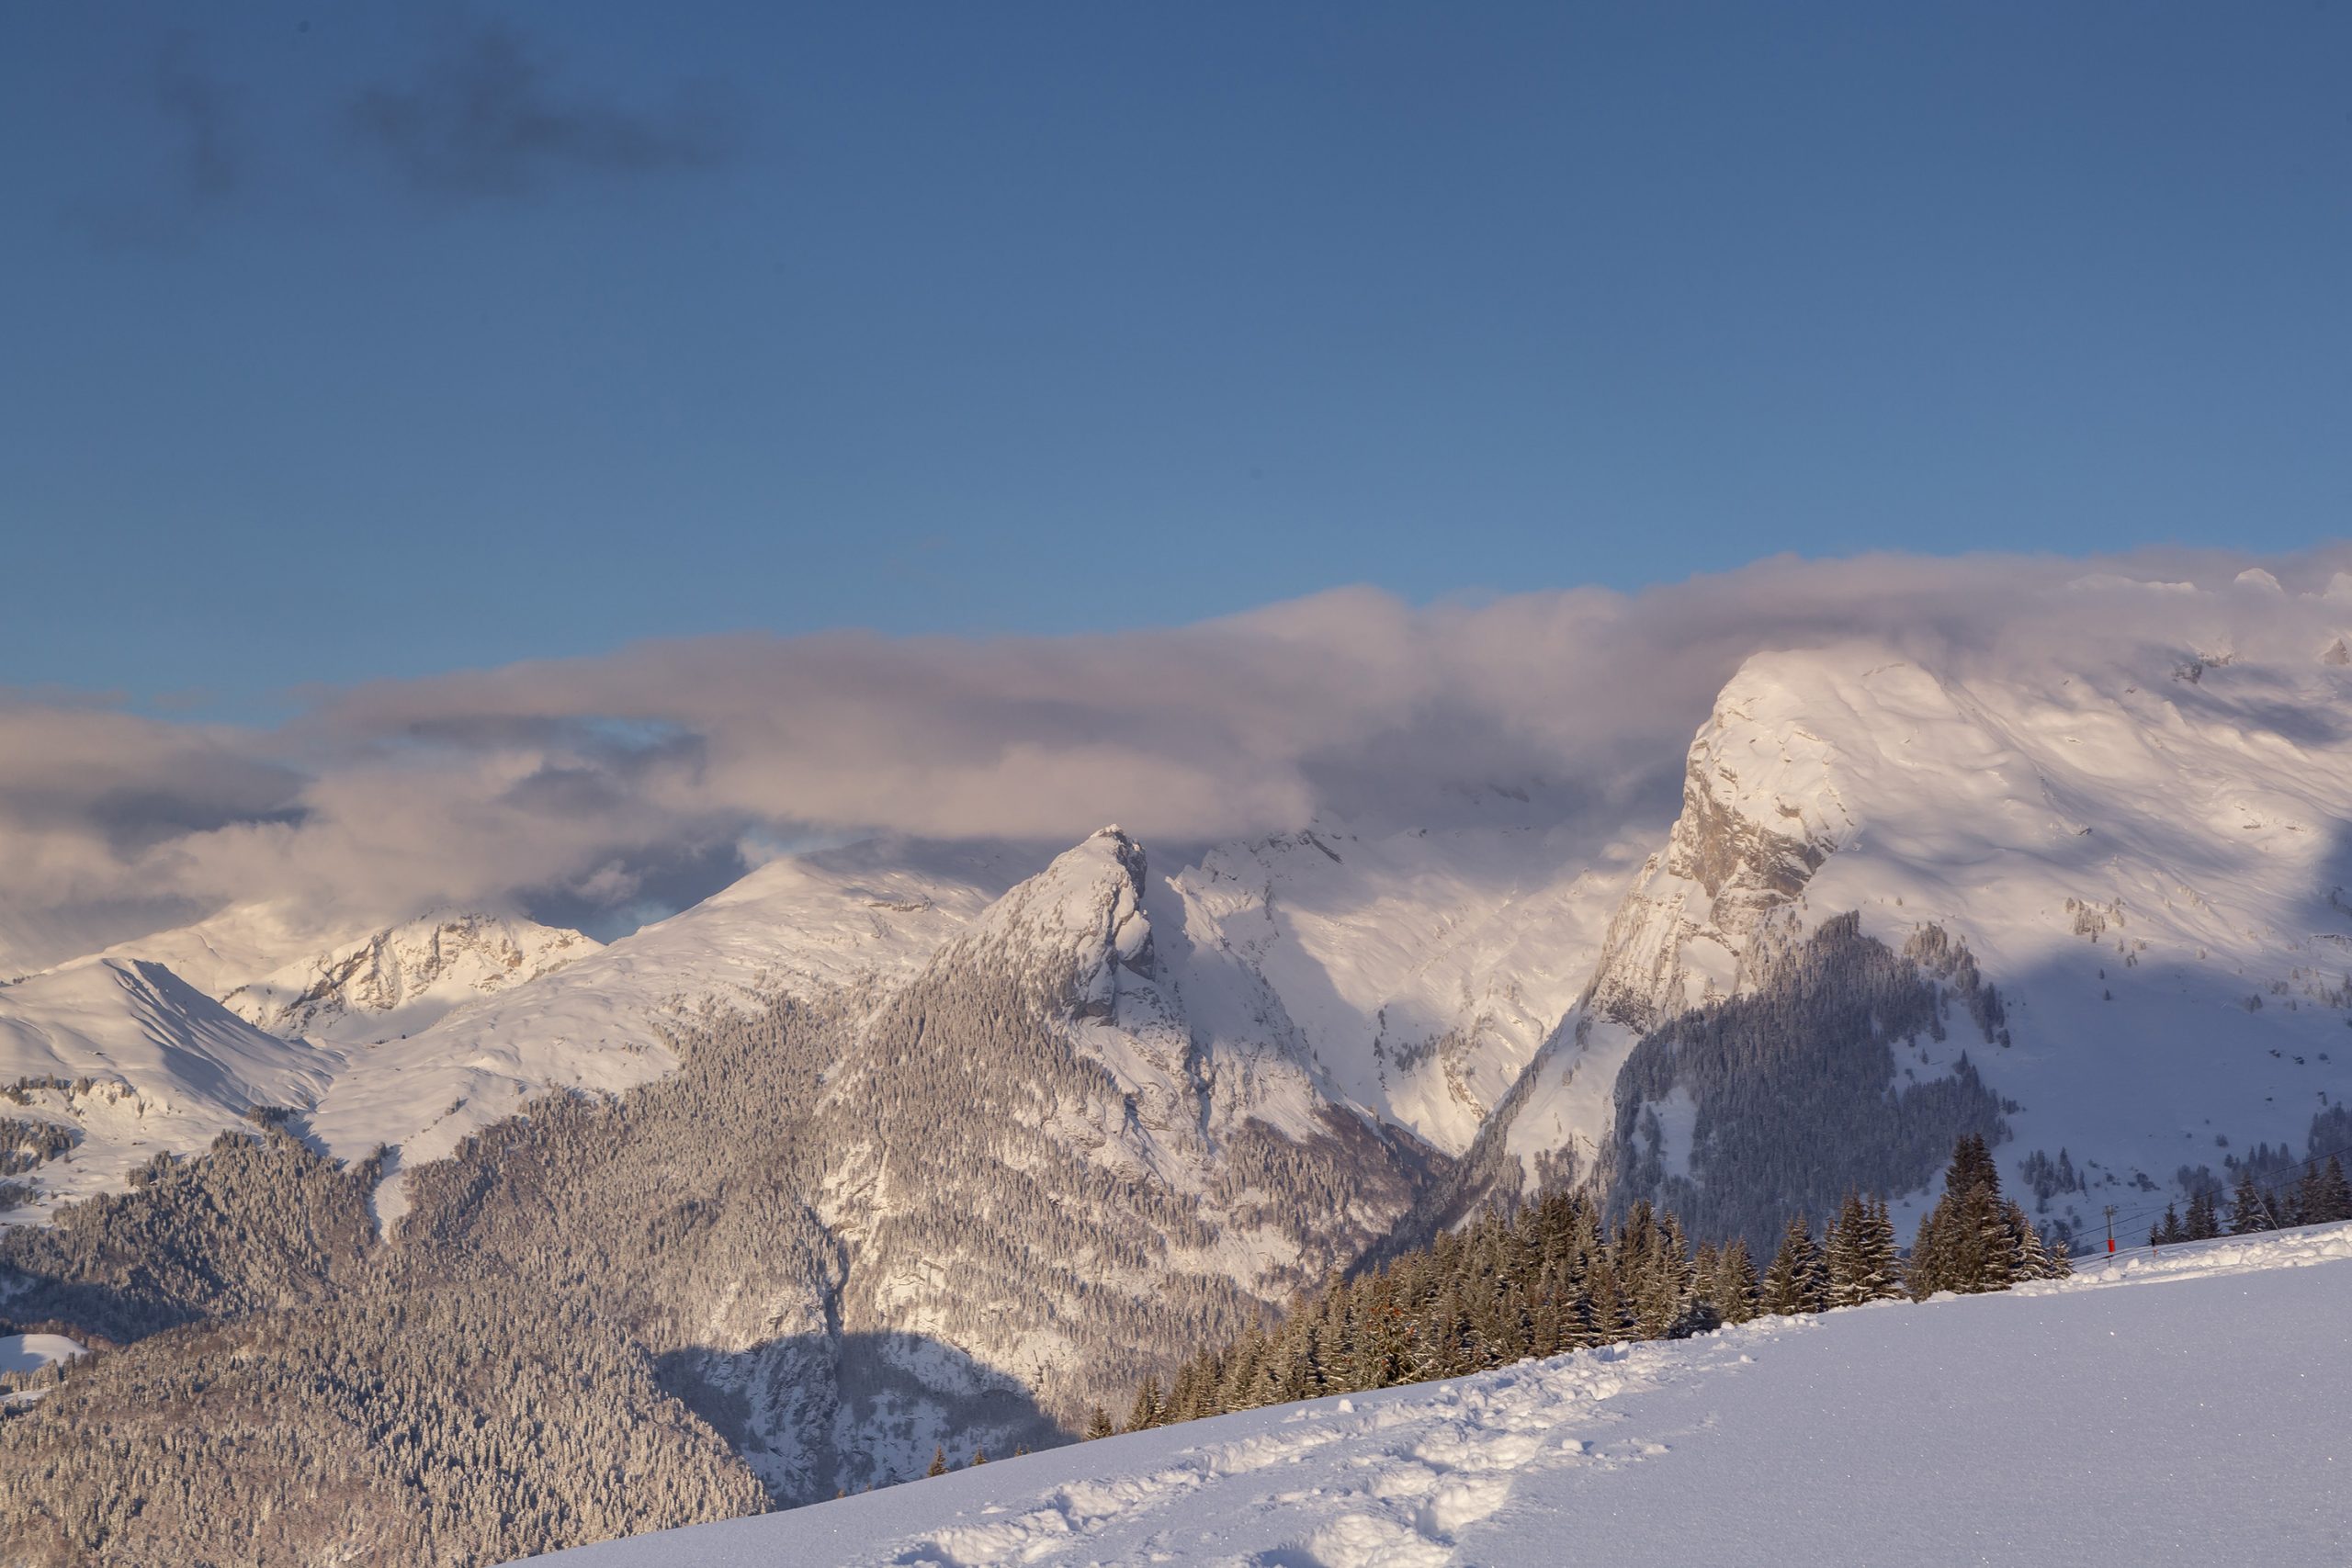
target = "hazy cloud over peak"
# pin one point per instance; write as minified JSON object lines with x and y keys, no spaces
{"x":633,"y":778}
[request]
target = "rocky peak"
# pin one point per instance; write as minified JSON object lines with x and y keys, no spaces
{"x":405,"y":977}
{"x":1075,"y":926}
{"x":1761,"y":811}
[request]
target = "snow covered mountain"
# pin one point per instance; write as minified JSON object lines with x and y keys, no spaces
{"x":1784,"y":1441}
{"x":2128,"y":874}
{"x":189,"y":1033}
{"x":2136,"y":857}
{"x":133,"y":1061}
{"x":1024,"y":1165}
{"x":845,"y":919}
{"x":404,"y":978}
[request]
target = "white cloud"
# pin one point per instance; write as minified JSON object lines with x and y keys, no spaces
{"x":590,"y":777}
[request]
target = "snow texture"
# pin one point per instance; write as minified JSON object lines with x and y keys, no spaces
{"x":2089,"y":1422}
{"x":30,"y":1352}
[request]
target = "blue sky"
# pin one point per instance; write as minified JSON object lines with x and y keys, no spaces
{"x":342,"y":343}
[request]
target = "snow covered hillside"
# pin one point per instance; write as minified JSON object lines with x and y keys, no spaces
{"x":1421,"y":966}
{"x":2177,"y":1411}
{"x":417,"y":1033}
{"x":131,"y":1060}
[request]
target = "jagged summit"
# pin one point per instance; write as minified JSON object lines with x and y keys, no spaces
{"x":1077,"y":924}
{"x":405,"y":977}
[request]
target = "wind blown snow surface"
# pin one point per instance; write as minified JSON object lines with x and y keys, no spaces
{"x":2188,"y":1408}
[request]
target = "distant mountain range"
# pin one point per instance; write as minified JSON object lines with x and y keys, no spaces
{"x":1014,"y":1122}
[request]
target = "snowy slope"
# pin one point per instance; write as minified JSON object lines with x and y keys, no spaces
{"x":239,"y":945}
{"x":151,"y":1064}
{"x":1422,"y":966}
{"x":30,"y":1352}
{"x":184,"y":1032}
{"x":2146,"y":855}
{"x":2183,"y":1415}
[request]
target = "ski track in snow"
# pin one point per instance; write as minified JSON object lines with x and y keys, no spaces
{"x":1423,"y":1468}
{"x":1420,"y":1469}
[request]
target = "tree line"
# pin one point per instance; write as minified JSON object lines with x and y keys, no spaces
{"x":1556,"y":1277}
{"x":2320,"y":1196}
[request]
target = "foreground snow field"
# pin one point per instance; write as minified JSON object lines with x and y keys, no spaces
{"x":2189,"y":1408}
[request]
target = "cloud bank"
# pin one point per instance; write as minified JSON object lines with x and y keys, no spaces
{"x":636,"y":778}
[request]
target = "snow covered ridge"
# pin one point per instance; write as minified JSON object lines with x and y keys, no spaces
{"x":2138,"y":847}
{"x":405,"y":978}
{"x":2065,"y":1422}
{"x":128,"y":1058}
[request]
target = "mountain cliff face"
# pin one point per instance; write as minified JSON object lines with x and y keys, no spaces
{"x":2118,"y":875}
{"x":1761,"y":811}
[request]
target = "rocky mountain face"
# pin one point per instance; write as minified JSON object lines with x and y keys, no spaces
{"x":2114,"y":879}
{"x":405,"y":978}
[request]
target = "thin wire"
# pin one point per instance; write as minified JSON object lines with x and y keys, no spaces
{"x":2311,"y":1159}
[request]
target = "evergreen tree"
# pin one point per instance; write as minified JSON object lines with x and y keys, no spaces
{"x":2334,"y":1194}
{"x":2032,"y":1252}
{"x":1098,"y":1424}
{"x":1795,"y":1282}
{"x":2247,"y":1210}
{"x":1736,"y":1287}
{"x":1930,"y":1263}
{"x":1860,"y":1254}
{"x":1611,"y":1317}
{"x":1980,"y":1251}
{"x":938,"y":1461}
{"x":1149,"y":1406}
{"x":2203,"y":1223}
{"x":1968,"y":1242}
{"x":1842,"y":1251}
{"x":1884,"y":1259}
{"x":1972,"y":1166}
